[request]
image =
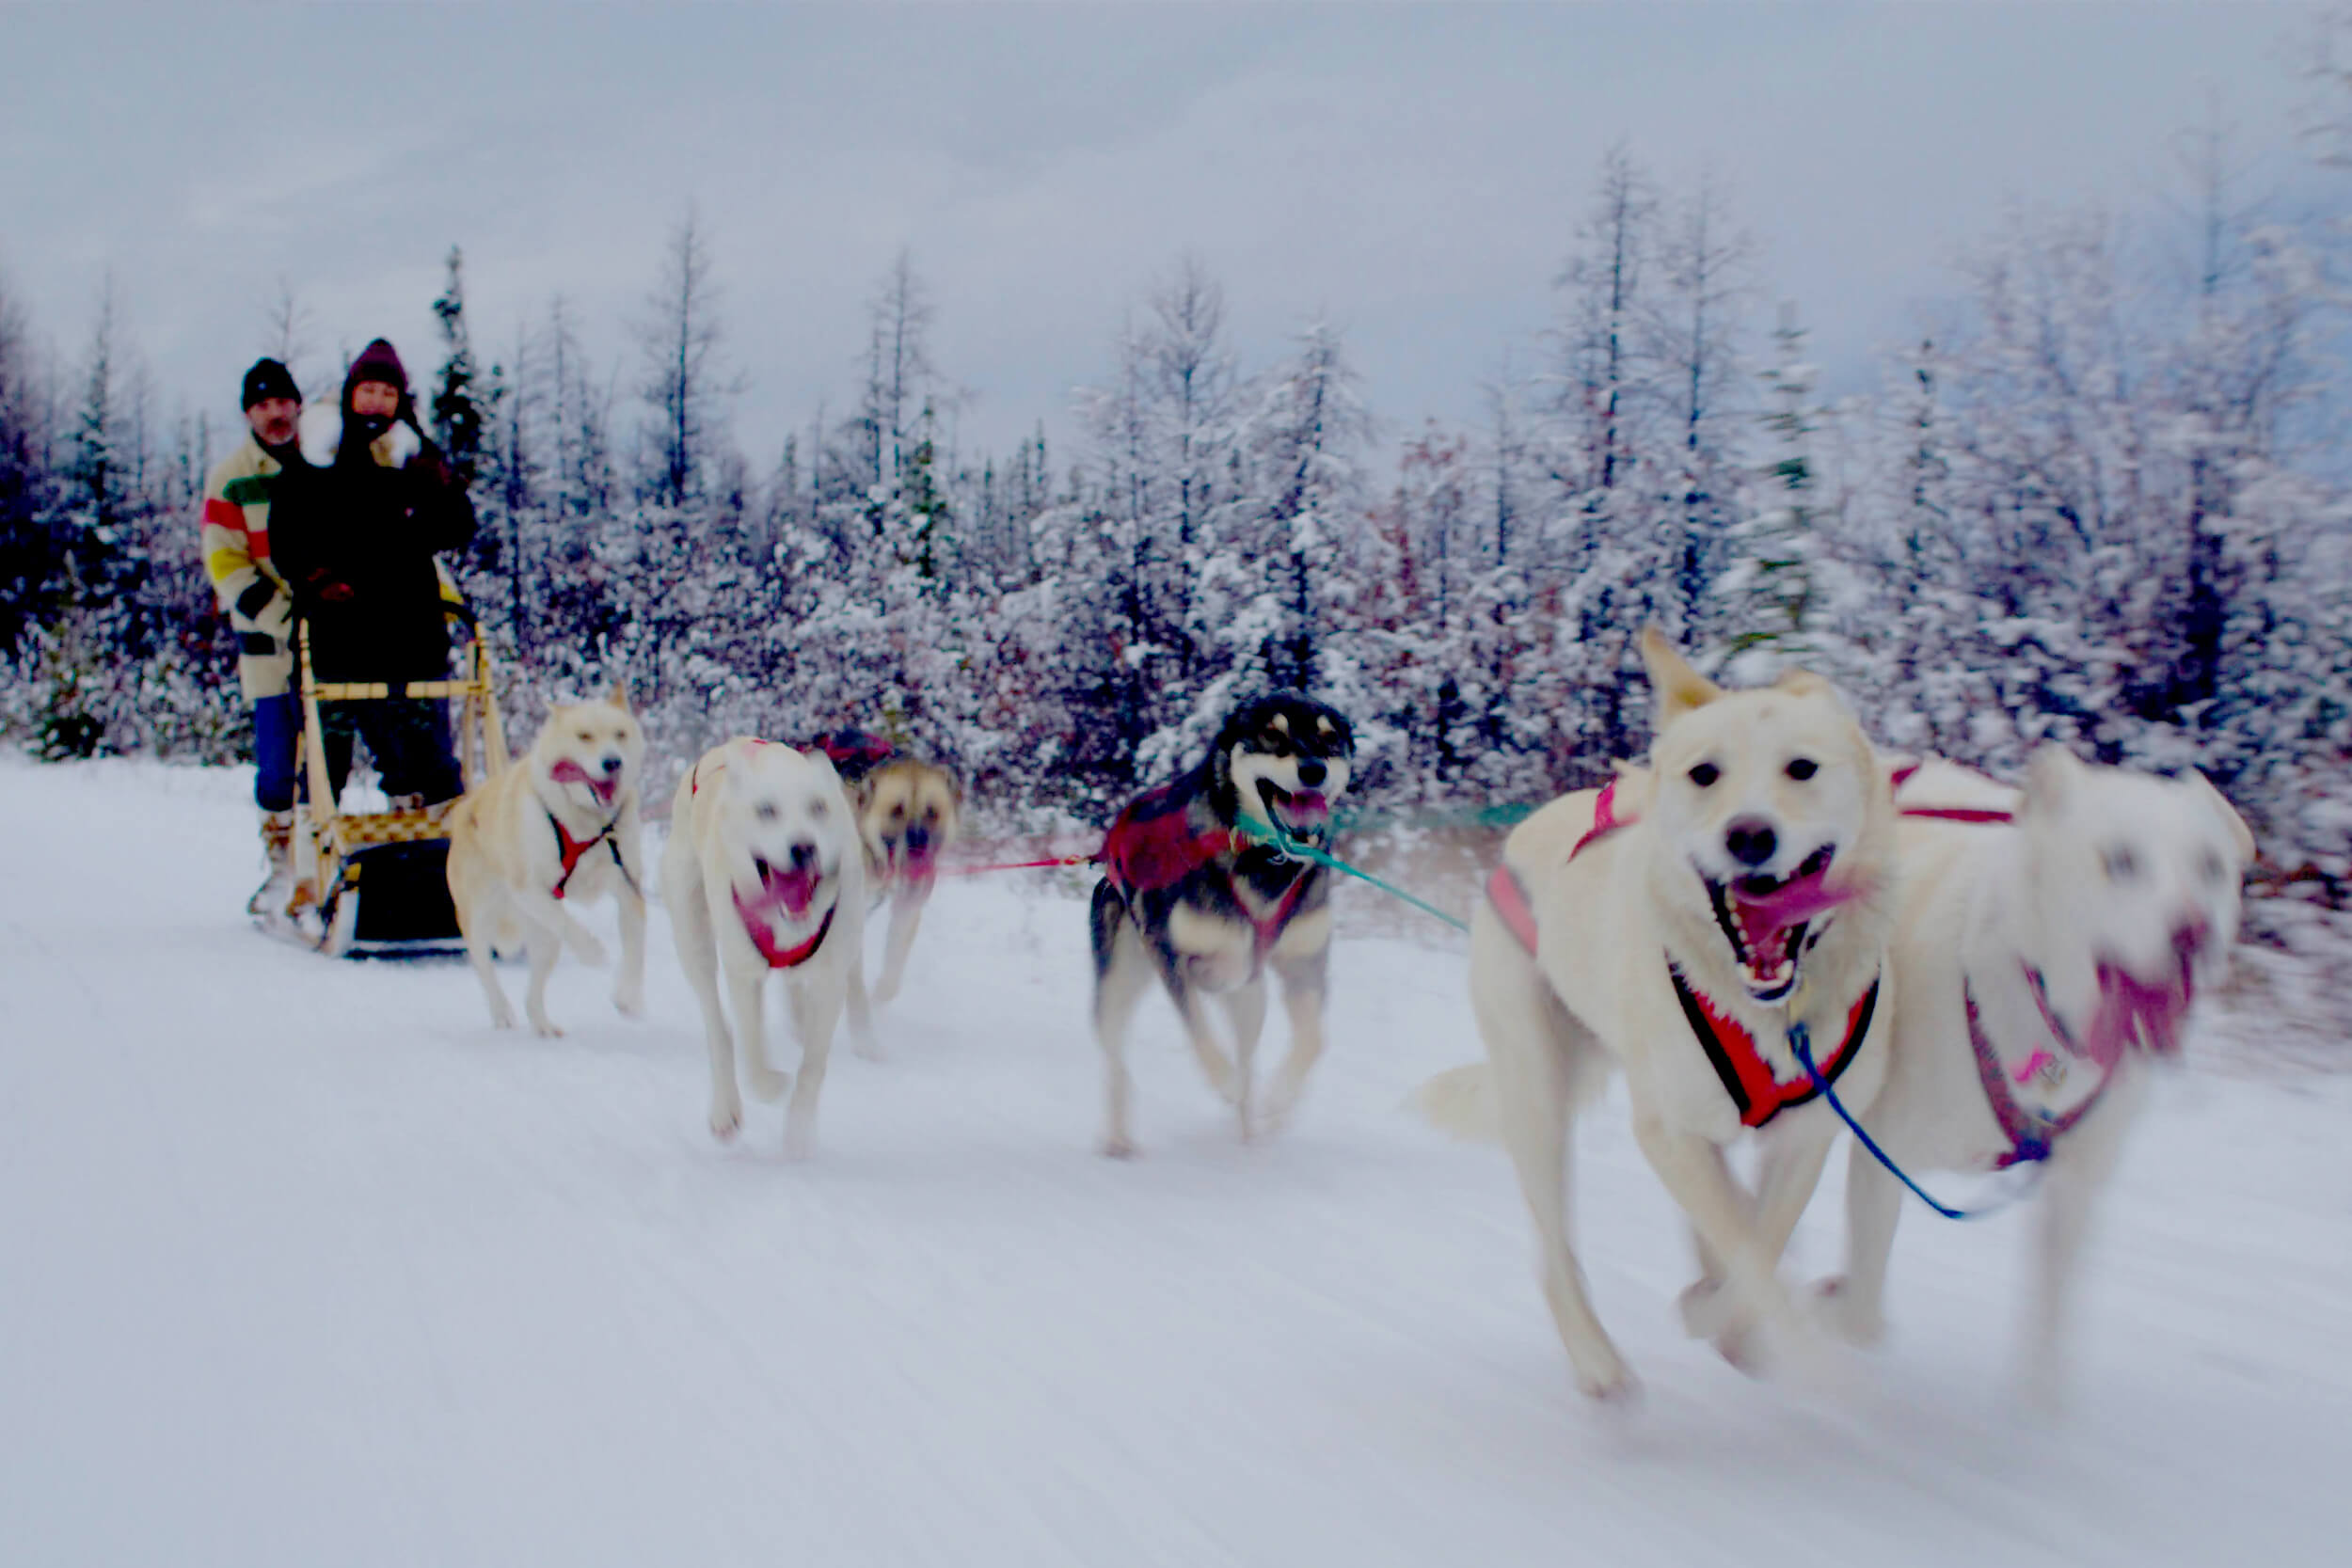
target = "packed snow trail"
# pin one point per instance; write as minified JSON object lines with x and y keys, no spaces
{"x":301,"y":1262}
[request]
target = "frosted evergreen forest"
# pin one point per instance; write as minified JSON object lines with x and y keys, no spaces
{"x":2099,"y":496}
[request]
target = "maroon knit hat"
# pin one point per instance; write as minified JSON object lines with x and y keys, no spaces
{"x":379,"y":361}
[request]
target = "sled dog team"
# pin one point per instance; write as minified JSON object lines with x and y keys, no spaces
{"x":1766,"y":906}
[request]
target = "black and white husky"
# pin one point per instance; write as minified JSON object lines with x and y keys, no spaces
{"x":1194,"y":892}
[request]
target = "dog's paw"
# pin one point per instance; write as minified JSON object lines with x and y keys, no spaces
{"x":1706,"y":1307}
{"x":502,"y":1016}
{"x":767,"y":1082}
{"x":1842,"y":1311}
{"x":1737,"y":1345}
{"x":1224,"y":1080}
{"x":630,"y":1001}
{"x":1118,"y":1146}
{"x":1610,"y":1382}
{"x":546,"y":1028}
{"x":800,"y":1138}
{"x":726,"y":1118}
{"x":1275,"y":1111}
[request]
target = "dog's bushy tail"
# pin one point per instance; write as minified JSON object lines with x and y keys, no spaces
{"x":1460,"y":1102}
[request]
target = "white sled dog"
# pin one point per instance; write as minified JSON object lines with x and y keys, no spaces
{"x":2045,"y":961}
{"x":545,"y":835}
{"x":1679,"y":923}
{"x":764,"y":875}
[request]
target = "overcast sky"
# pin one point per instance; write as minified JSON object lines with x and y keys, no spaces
{"x":1415,"y":173}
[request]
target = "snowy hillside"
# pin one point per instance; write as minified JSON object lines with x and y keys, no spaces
{"x":302,"y":1264}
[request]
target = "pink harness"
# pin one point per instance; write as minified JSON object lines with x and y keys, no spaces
{"x":755,"y":927}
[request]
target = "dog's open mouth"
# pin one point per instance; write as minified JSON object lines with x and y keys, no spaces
{"x":1304,"y":815}
{"x":794,"y":891}
{"x":1766,"y":920}
{"x":606,"y":787}
{"x":2133,"y":1014}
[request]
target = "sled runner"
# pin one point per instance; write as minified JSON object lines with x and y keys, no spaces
{"x":398,"y":858}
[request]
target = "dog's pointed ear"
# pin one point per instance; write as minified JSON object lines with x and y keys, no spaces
{"x":1802,"y":683}
{"x":1680,"y":687}
{"x":2052,"y":774}
{"x":620,"y":696}
{"x":2240,"y":834}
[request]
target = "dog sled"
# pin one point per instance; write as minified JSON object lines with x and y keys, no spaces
{"x":376,"y":883}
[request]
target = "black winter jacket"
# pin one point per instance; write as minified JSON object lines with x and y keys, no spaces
{"x":354,"y":535}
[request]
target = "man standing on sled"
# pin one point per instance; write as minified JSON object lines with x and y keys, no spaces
{"x":355,"y":533}
{"x":236,"y":543}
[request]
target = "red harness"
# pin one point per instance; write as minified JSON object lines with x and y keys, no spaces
{"x":1746,"y":1076}
{"x":2029,"y":1133}
{"x":755,"y":927}
{"x":575,"y":849}
{"x":1731,"y":1051}
{"x":1605,"y":819}
{"x":1151,"y":846}
{"x":1948,"y":813}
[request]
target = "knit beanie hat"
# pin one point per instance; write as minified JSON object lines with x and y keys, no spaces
{"x":376,"y":362}
{"x":268,"y":379}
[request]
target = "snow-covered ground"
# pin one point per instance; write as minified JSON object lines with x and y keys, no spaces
{"x":302,"y":1264}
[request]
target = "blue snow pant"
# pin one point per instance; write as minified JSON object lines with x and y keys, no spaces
{"x":276,"y":728}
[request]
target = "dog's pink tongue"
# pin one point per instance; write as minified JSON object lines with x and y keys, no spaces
{"x":794,"y":890}
{"x":1766,"y":916}
{"x":603,"y":786}
{"x":2132,"y":1013}
{"x":1308,"y":805}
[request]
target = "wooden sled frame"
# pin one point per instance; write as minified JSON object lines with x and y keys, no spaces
{"x":327,"y":836}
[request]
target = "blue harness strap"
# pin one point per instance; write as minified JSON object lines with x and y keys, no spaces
{"x":1801,"y":1042}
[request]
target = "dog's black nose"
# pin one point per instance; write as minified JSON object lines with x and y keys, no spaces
{"x":1751,"y":840}
{"x":1311,"y":771}
{"x":918,"y":838}
{"x":804,"y":854}
{"x":611,"y":761}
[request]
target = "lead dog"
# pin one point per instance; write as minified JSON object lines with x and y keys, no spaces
{"x":764,"y":875}
{"x":2046,"y":961}
{"x":544,"y":835}
{"x":909,"y":812}
{"x":1192,"y":892}
{"x":1677,"y":924}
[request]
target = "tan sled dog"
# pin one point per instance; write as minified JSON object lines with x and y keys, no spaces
{"x":909,"y":812}
{"x":2051,"y":943}
{"x":764,"y":875}
{"x":1678,"y":923}
{"x":545,"y":835}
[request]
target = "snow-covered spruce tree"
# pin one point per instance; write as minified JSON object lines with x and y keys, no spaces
{"x":458,"y":415}
{"x":675,"y":582}
{"x":1704,"y":274}
{"x":28,"y":544}
{"x":1294,"y":562}
{"x":1770,"y":597}
{"x":125,"y":653}
{"x":1173,"y":487}
{"x":1603,"y":562}
{"x":874,"y":628}
{"x":574,"y":619}
{"x":1420,"y":607}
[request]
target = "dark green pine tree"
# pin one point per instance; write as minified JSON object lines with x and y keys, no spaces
{"x":458,"y":415}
